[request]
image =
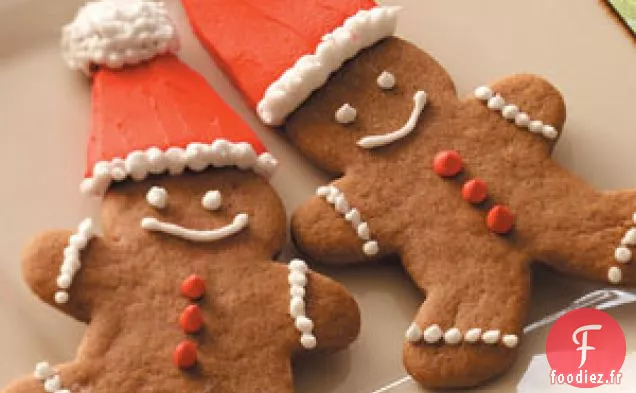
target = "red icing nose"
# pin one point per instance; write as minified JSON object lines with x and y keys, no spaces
{"x":193,"y":287}
{"x":447,"y":163}
{"x":185,"y":356}
{"x":500,"y":219}
{"x":191,"y":320}
{"x":475,"y":191}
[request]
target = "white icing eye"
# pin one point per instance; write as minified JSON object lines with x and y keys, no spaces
{"x":386,"y":80}
{"x":157,"y":197}
{"x":212,"y":200}
{"x":346,"y":114}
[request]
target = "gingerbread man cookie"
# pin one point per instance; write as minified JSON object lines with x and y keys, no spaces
{"x":463,"y":190}
{"x":180,"y":293}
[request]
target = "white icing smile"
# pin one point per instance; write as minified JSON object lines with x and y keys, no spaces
{"x":239,"y":223}
{"x":370,"y":142}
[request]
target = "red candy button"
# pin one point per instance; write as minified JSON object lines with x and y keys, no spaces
{"x":191,"y":319}
{"x":475,"y":191}
{"x":193,"y":287}
{"x":447,"y":163}
{"x":500,"y":219}
{"x":185,"y":356}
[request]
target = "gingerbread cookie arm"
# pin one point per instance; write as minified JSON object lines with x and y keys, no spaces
{"x":467,"y":330}
{"x":58,"y":266}
{"x":334,"y":313}
{"x":578,"y":230}
{"x":331,"y":229}
{"x":528,"y":102}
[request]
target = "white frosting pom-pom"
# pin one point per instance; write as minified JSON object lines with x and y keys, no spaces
{"x":114,"y":33}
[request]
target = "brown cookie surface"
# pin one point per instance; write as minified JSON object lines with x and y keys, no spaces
{"x":403,"y":198}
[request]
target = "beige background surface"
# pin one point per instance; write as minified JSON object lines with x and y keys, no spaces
{"x":44,"y":123}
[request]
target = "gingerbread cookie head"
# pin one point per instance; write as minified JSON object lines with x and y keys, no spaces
{"x":214,"y":210}
{"x":180,"y":293}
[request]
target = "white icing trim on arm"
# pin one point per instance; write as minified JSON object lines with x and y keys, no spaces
{"x":72,"y":263}
{"x":115,"y":33}
{"x":238,"y":224}
{"x":310,"y":72}
{"x":371,"y":142}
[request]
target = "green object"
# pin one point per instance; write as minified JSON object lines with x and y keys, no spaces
{"x":627,"y":11}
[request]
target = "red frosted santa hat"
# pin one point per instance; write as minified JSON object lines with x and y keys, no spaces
{"x":151,"y":113}
{"x":279,"y":51}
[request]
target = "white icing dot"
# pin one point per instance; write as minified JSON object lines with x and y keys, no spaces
{"x":491,"y":336}
{"x":296,"y":307}
{"x":333,"y":193}
{"x":346,"y":114}
{"x":413,"y":333}
{"x":157,"y":197}
{"x":354,"y":217}
{"x":549,"y":132}
{"x":212,"y":200}
{"x":634,"y":218}
{"x":371,"y":248}
{"x":614,"y":275}
{"x":522,"y":119}
{"x":483,"y":93}
{"x":156,"y":160}
{"x":86,"y":227}
{"x":496,"y":103}
{"x":78,"y":240}
{"x":630,"y":238}
{"x":623,"y":255}
{"x":52,"y":384}
{"x":64,"y":281}
{"x":322,"y":191}
{"x":137,"y":165}
{"x":304,"y":324}
{"x":536,"y":126}
{"x":432,"y":334}
{"x":297,"y":291}
{"x":43,"y":370}
{"x":386,"y":80}
{"x":61,"y":297}
{"x":472,"y":335}
{"x":363,"y":231}
{"x":510,"y":112}
{"x":453,"y":336}
{"x":510,"y":340}
{"x":71,"y":253}
{"x":308,"y":341}
{"x":297,"y":278}
{"x":176,"y":160}
{"x":341,"y":204}
{"x":298,"y":265}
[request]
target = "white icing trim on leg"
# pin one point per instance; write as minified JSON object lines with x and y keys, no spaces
{"x":50,"y":378}
{"x":311,"y":71}
{"x":511,"y":112}
{"x":72,"y":263}
{"x":297,"y":282}
{"x":623,"y":254}
{"x":434,"y":334}
{"x":338,"y":200}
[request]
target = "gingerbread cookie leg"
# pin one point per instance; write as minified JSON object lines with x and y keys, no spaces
{"x":467,"y":330}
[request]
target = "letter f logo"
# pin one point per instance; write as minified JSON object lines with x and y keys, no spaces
{"x":583,"y":344}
